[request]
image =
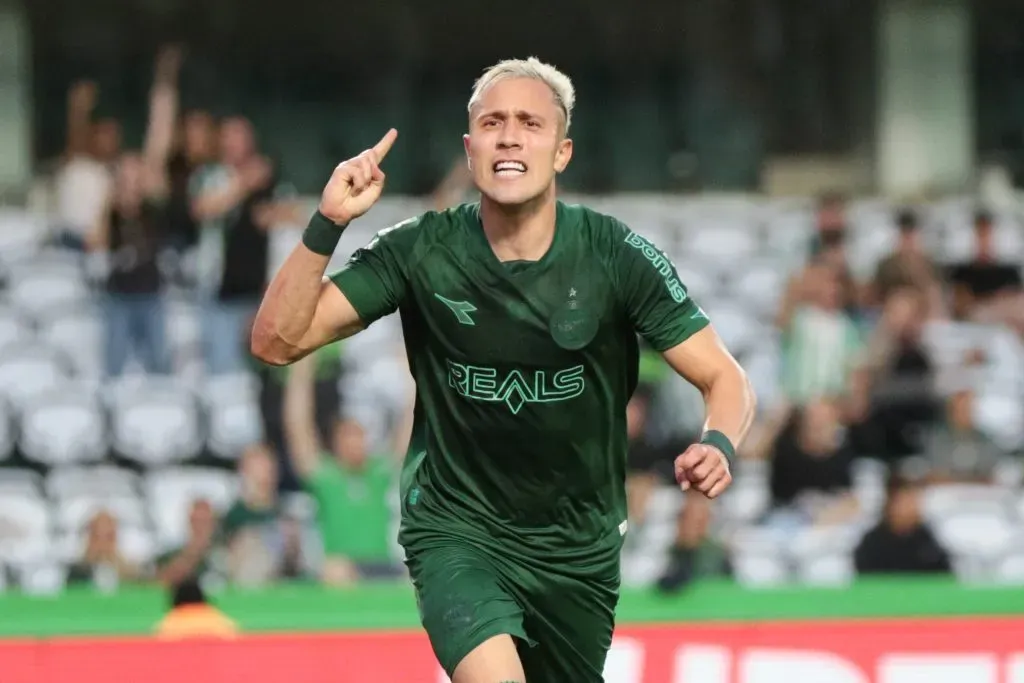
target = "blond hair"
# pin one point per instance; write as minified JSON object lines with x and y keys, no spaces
{"x":560,"y":84}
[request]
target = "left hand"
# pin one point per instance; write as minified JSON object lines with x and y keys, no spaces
{"x":705,"y":468}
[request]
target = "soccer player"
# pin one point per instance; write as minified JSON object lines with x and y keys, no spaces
{"x":520,"y":316}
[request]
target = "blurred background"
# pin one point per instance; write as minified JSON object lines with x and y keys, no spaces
{"x":837,"y":181}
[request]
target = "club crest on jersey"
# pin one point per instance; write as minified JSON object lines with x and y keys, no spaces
{"x":571,"y":326}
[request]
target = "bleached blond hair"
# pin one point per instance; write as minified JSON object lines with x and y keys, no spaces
{"x":560,"y":84}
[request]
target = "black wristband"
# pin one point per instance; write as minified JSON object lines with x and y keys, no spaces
{"x":322,"y":235}
{"x":715,"y":438}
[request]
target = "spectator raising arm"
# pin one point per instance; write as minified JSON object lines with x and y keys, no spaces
{"x":163,"y":112}
{"x":300,"y":428}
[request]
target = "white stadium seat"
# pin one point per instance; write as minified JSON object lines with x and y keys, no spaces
{"x":63,"y":427}
{"x":155,"y":422}
{"x":20,"y":482}
{"x":981,"y":535}
{"x":15,"y":328}
{"x":101,"y":480}
{"x":827,"y":569}
{"x":76,"y":512}
{"x":136,"y":544}
{"x":6,"y":432}
{"x":42,"y":577}
{"x":78,"y":334}
{"x":21,"y":234}
{"x":26,"y":372}
{"x":232,"y":407}
{"x":38,"y":290}
{"x":24,"y":528}
{"x":170,"y":492}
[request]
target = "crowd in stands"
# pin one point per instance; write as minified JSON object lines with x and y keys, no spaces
{"x":891,"y":381}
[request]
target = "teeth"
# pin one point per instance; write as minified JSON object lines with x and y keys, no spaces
{"x":509,"y":167}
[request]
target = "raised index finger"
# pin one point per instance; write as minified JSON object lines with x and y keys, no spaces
{"x":384,"y":146}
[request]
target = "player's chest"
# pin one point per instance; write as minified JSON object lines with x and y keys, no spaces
{"x":536,"y":315}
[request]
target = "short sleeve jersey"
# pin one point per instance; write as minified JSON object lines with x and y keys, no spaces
{"x":523,"y":372}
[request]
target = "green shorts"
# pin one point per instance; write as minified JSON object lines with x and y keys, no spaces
{"x":562,"y":626}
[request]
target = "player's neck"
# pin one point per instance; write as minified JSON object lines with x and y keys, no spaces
{"x":521,"y":233}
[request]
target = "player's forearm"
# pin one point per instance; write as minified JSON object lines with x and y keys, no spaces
{"x":730,"y":405}
{"x":281,"y":330}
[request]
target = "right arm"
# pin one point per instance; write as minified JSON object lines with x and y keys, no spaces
{"x":302,"y":310}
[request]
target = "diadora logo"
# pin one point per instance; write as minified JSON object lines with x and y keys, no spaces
{"x":515,"y":388}
{"x":461,"y":309}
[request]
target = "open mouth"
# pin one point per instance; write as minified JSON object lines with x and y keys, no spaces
{"x":509,"y":169}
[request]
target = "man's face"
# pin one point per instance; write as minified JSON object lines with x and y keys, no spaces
{"x":515,"y":145}
{"x":237,"y":142}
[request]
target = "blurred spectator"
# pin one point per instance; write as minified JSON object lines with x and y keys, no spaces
{"x":236,"y":201}
{"x":829,"y":220}
{"x":351,"y":487}
{"x":83,"y":181}
{"x":694,"y":552}
{"x":908,"y":266}
{"x":901,"y":542}
{"x":196,"y":558}
{"x":191,"y":616}
{"x":327,"y":406}
{"x":955,"y":449}
{"x":131,"y":234}
{"x":252,"y":527}
{"x":102,"y":563}
{"x":821,"y":342}
{"x":894,"y":398}
{"x":647,"y":464}
{"x":811,"y":480}
{"x":985,"y":277}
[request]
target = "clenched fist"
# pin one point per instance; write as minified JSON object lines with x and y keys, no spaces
{"x":356,"y":184}
{"x":705,"y":468}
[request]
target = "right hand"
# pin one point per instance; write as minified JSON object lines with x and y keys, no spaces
{"x":83,"y":95}
{"x":356,"y":184}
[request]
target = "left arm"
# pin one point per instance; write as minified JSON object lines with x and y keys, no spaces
{"x":662,"y":311}
{"x":729,"y":400}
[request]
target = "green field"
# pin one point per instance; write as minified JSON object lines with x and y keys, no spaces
{"x":311,"y":608}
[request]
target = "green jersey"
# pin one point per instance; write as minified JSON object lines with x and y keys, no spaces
{"x":523,"y":371}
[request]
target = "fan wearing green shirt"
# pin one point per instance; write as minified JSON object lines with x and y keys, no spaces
{"x":351,"y":487}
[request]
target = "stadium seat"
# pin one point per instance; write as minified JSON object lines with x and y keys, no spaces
{"x":42,"y":577}
{"x":1010,"y":569}
{"x":943,"y":501}
{"x":15,"y":329}
{"x":20,"y":482}
{"x":38,"y":290}
{"x":74,"y":513}
{"x":101,"y":480}
{"x":27,"y":371}
{"x":829,"y":569}
{"x":64,"y":426}
{"x":980,"y":535}
{"x":24,"y":528}
{"x":6,"y":433}
{"x":78,"y":334}
{"x":720,"y":246}
{"x":169,"y":493}
{"x":757,"y":558}
{"x":21,"y":234}
{"x":745,"y":501}
{"x":136,"y":544}
{"x":155,"y":421}
{"x":759,"y":286}
{"x":231,"y":403}
{"x":737,"y":328}
{"x":760,"y":570}
{"x":183,"y":331}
